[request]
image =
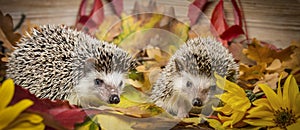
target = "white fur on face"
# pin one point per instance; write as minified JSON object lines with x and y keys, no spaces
{"x":89,"y":94}
{"x":199,"y":83}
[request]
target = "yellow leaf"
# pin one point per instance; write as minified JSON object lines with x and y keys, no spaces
{"x":109,"y":28}
{"x":153,"y":52}
{"x":113,"y":122}
{"x":135,"y":83}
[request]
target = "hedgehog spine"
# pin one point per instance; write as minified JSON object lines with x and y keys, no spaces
{"x":188,"y":77}
{"x":55,"y":60}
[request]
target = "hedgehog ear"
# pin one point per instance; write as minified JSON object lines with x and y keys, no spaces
{"x":178,"y":65}
{"x":90,"y":65}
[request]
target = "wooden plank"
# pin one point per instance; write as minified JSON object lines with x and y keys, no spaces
{"x":274,"y":21}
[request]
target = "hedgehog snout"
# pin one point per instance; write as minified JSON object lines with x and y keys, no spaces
{"x":197,"y":102}
{"x":114,"y":99}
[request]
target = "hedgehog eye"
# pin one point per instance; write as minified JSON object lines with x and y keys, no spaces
{"x":189,"y":84}
{"x":121,"y":83}
{"x":98,"y":81}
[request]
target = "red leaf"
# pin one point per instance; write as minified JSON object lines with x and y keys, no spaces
{"x":237,"y":13}
{"x":92,"y":20}
{"x":218,"y":18}
{"x":232,"y":33}
{"x":195,"y":10}
{"x":117,"y":6}
{"x":57,"y":114}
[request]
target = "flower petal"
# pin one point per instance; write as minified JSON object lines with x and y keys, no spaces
{"x":271,"y":96}
{"x":296,"y":106}
{"x":290,"y":91}
{"x":262,"y":104}
{"x":259,"y":122}
{"x":294,"y":126}
{"x":27,"y":121}
{"x":226,"y":109}
{"x":236,"y":117}
{"x":259,"y":114}
{"x":229,"y":86}
{"x":10,"y":113}
{"x":6,"y":93}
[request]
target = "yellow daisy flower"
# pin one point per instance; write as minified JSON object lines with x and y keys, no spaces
{"x":235,"y":102}
{"x":277,"y":111}
{"x":11,"y":117}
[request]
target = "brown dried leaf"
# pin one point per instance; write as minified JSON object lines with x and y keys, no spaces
{"x":265,"y":54}
{"x":269,"y":79}
{"x":259,"y":53}
{"x":255,"y":72}
{"x":7,"y":35}
{"x":275,"y":65}
{"x":237,"y":51}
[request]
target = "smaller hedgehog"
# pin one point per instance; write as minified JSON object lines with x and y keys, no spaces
{"x":56,"y":62}
{"x":187,"y":80}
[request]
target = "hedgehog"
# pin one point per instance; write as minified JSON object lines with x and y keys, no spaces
{"x":57,"y":62}
{"x":188,"y":78}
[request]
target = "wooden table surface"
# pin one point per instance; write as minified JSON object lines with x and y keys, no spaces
{"x":273,"y":21}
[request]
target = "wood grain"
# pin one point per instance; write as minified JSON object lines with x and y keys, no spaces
{"x":274,"y":21}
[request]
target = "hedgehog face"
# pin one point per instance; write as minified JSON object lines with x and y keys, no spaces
{"x":194,"y":88}
{"x":96,"y":89}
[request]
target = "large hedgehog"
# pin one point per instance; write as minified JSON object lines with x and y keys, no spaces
{"x":57,"y":62}
{"x":188,"y":79}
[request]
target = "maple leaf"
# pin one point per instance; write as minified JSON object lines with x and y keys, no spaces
{"x":255,"y":72}
{"x":264,"y":54}
{"x":294,"y":62}
{"x":236,"y":50}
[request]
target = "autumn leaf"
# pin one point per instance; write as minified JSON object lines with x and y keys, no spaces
{"x":109,"y":29}
{"x":236,"y":50}
{"x":237,"y":14}
{"x":195,"y":9}
{"x":255,"y":72}
{"x":218,"y":18}
{"x":232,"y":33}
{"x":264,"y":54}
{"x":117,"y":6}
{"x":7,"y":35}
{"x":92,"y":20}
{"x":294,"y":62}
{"x":57,"y":114}
{"x":269,"y":79}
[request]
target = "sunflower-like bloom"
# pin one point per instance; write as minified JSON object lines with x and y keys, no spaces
{"x":235,"y":102}
{"x":277,"y":111}
{"x":11,"y":117}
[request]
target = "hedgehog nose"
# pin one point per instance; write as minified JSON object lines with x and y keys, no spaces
{"x":197,"y":102}
{"x":114,"y":99}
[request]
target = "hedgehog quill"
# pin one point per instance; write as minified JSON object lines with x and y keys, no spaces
{"x":57,"y":62}
{"x":187,"y":80}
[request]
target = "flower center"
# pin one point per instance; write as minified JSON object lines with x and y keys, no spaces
{"x":284,"y":117}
